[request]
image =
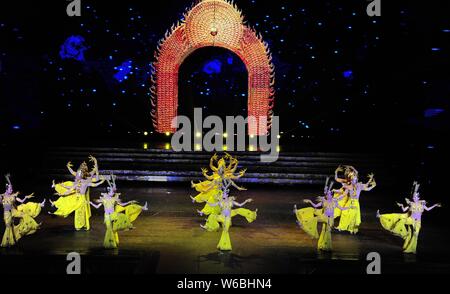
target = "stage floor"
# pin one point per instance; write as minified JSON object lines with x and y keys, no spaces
{"x":168,"y":239}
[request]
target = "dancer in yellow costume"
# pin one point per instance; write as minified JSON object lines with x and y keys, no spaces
{"x":350,"y":219}
{"x":407,"y":224}
{"x":227,"y":212}
{"x":82,"y":172}
{"x":211,"y":189}
{"x":342,"y":193}
{"x":118,"y":216}
{"x":309,"y":218}
{"x":25,"y":212}
{"x":74,"y":196}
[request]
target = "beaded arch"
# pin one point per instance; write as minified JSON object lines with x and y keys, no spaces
{"x":210,"y":23}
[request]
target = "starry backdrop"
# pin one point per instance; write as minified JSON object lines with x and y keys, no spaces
{"x":339,"y":73}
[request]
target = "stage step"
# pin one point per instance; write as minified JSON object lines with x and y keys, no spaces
{"x":157,"y":165}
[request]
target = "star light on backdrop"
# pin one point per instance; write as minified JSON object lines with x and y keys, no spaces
{"x":73,"y":48}
{"x":123,"y":71}
{"x":213,"y":66}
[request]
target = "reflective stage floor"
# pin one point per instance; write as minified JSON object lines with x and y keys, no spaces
{"x":168,"y":239}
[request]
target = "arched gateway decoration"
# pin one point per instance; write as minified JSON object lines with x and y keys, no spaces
{"x":212,"y":23}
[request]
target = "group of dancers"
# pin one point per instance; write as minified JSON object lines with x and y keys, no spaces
{"x":74,"y":198}
{"x":343,"y":203}
{"x":219,"y":206}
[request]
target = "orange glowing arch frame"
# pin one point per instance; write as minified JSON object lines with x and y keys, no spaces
{"x":212,"y":23}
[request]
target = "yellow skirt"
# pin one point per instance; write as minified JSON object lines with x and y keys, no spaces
{"x":350,"y":218}
{"x":78,"y":204}
{"x":403,"y":226}
{"x":342,"y":203}
{"x":122,"y":219}
{"x":204,"y":196}
{"x":9,"y":238}
{"x":74,"y":203}
{"x":213,"y":224}
{"x":307,"y":220}
{"x":111,"y":239}
{"x":131,"y":212}
{"x":60,"y":188}
{"x":248,"y":214}
{"x":225,"y":241}
{"x":410,"y":244}
{"x":324,"y":242}
{"x":210,"y":197}
{"x":208,"y":209}
{"x":395,"y":223}
{"x":27,"y":225}
{"x":204,"y":186}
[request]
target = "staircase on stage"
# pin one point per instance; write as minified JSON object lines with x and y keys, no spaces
{"x":158,"y":165}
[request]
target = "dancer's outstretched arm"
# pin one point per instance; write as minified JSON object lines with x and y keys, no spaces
{"x":96,"y":184}
{"x":336,"y":175}
{"x":370,"y":183}
{"x":211,"y":163}
{"x":237,"y":187}
{"x":97,"y":206}
{"x":71,"y":171}
{"x":69,"y":191}
{"x":126,"y":203}
{"x":243,"y":203}
{"x":344,"y":208}
{"x":238,"y":175}
{"x":232,"y":167}
{"x":312,"y":203}
{"x":339,"y":191}
{"x":205,"y":174}
{"x":24,"y":199}
{"x":404,"y":209}
{"x":432,"y":207}
{"x":94,"y":171}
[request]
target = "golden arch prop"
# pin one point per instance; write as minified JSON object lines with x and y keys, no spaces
{"x":212,"y":23}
